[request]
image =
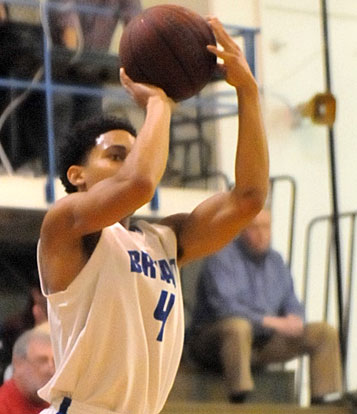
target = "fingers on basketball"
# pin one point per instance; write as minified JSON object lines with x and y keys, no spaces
{"x":222,"y":36}
{"x":166,"y":46}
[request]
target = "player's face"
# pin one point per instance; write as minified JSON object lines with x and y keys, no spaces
{"x":258,"y":233}
{"x":107,"y":156}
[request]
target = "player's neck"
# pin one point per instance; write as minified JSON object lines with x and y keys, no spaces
{"x":125,"y":222}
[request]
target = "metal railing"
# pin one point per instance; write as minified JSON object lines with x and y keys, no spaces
{"x":327,"y":256}
{"x":291,"y":207}
{"x":222,"y":107}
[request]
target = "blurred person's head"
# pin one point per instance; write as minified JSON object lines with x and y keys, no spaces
{"x":33,"y":364}
{"x":39,"y":306}
{"x":257,"y":235}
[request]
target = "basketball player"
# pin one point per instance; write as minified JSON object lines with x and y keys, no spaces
{"x":114,"y":295}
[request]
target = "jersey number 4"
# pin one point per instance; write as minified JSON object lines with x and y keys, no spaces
{"x":162,"y":310}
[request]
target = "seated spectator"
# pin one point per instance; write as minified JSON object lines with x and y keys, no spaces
{"x":76,"y":28}
{"x":247,"y":314}
{"x":33,"y":366}
{"x":33,"y":314}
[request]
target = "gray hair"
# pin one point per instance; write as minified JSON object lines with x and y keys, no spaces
{"x":22,"y":342}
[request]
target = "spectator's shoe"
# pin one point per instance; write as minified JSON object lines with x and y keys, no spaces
{"x":337,"y":400}
{"x":238,"y":397}
{"x":352,"y":397}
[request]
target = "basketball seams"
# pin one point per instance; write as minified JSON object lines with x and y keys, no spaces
{"x":191,"y":18}
{"x":202,"y":40}
{"x":183,"y":17}
{"x":163,"y":71}
{"x":199,"y":32}
{"x":139,"y":74}
{"x":130,"y":54}
{"x":173,"y":50}
{"x":166,"y":46}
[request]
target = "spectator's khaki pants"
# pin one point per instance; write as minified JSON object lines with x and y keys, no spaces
{"x":231,"y":341}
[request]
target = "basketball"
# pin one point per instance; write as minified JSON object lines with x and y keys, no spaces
{"x":165,"y":46}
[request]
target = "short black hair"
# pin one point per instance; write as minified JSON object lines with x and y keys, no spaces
{"x":78,"y":143}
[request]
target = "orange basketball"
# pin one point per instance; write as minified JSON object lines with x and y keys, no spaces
{"x":166,"y":46}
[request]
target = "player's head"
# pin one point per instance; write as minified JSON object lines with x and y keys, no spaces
{"x":81,"y":141}
{"x":32,"y":360}
{"x":257,"y":235}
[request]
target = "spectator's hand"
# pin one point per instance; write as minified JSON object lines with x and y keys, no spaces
{"x":70,"y":38}
{"x":235,"y":67}
{"x":72,"y":34}
{"x":291,"y":325}
{"x":142,"y":92}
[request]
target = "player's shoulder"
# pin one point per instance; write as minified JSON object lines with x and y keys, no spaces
{"x":60,"y":214}
{"x":58,"y":233}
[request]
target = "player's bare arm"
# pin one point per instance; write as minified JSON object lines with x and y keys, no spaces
{"x":217,"y":220}
{"x":131,"y":182}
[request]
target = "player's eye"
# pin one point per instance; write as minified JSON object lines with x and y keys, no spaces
{"x":117,"y":157}
{"x":117,"y":154}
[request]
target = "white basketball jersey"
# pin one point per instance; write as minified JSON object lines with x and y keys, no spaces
{"x":118,"y":329}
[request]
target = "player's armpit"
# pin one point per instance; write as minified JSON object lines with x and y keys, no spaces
{"x":212,"y":224}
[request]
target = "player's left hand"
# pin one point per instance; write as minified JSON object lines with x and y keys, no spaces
{"x":235,"y":67}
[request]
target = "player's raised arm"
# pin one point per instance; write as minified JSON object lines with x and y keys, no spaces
{"x":218,"y":219}
{"x":113,"y":174}
{"x":117,"y":176}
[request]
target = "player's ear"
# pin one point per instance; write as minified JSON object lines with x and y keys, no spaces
{"x":75,"y":175}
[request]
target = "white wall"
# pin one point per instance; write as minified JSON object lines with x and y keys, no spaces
{"x":290,"y":71}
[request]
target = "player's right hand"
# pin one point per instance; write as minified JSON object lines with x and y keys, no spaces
{"x":142,"y":92}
